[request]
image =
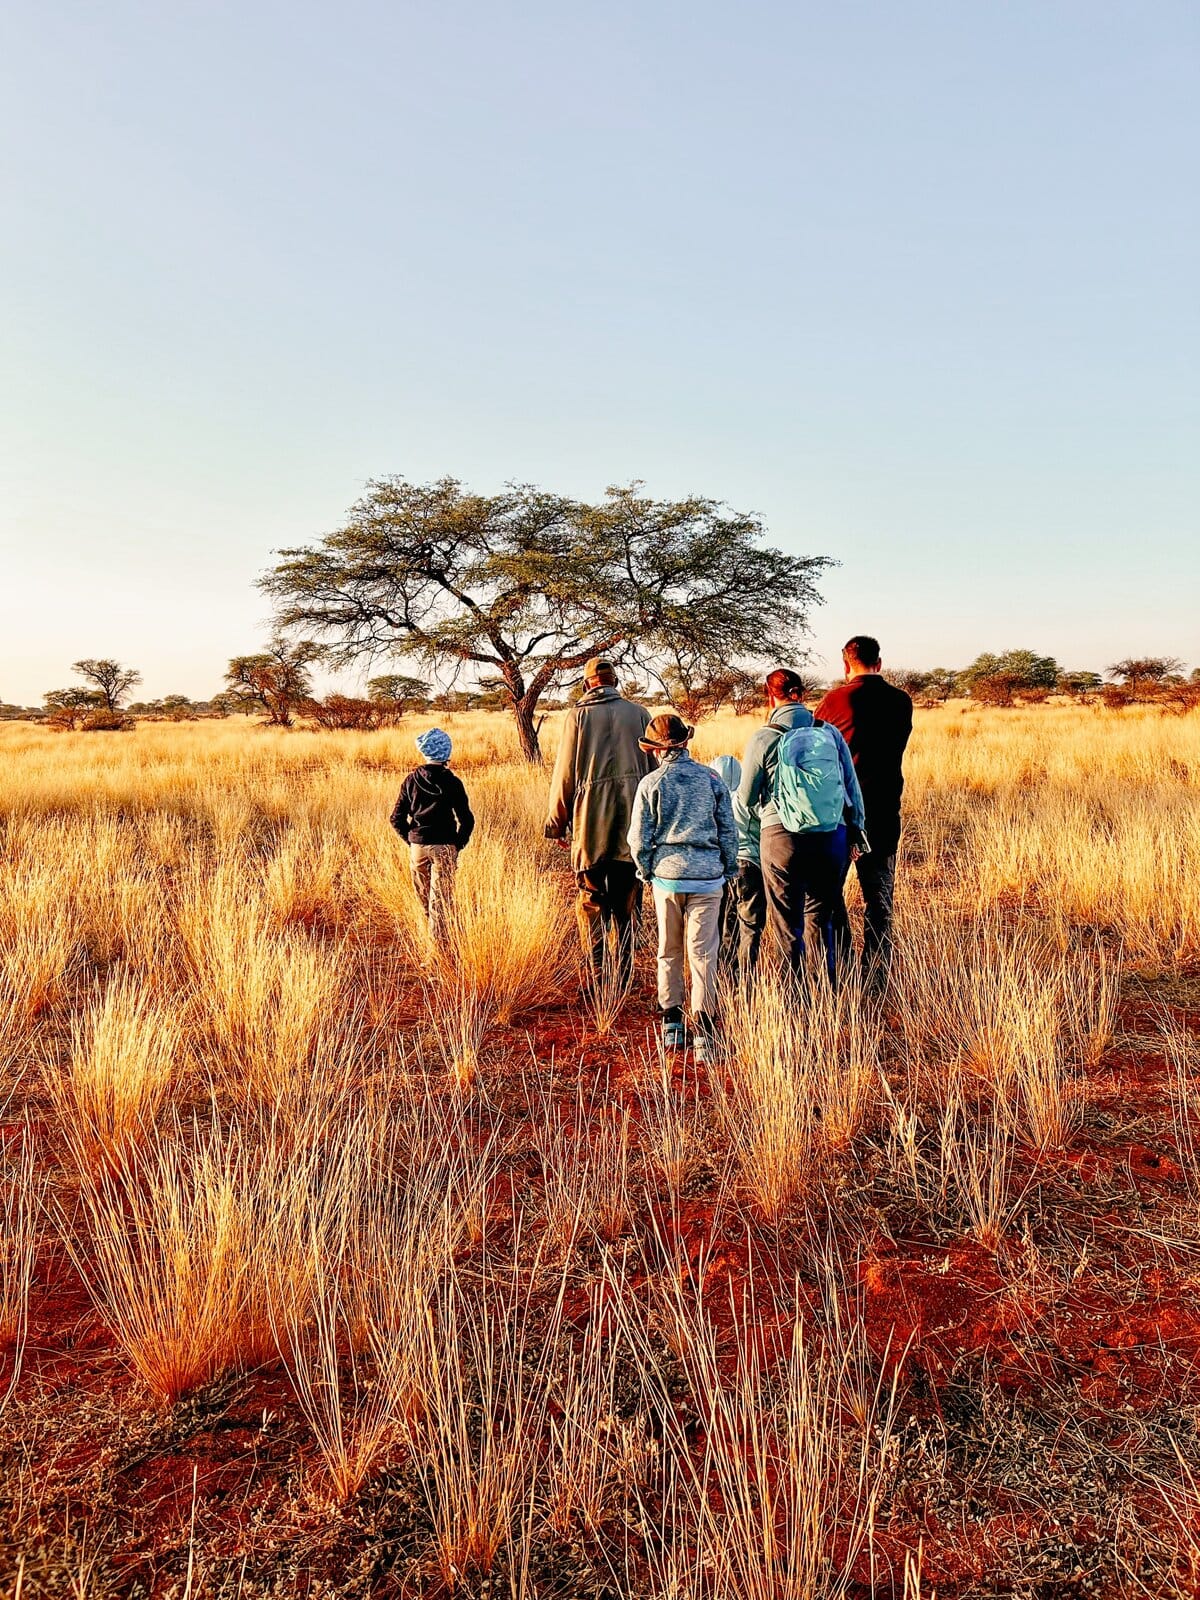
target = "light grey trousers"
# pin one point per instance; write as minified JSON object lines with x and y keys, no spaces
{"x":691,"y":922}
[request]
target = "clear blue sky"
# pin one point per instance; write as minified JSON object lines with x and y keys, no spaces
{"x":917,"y":281}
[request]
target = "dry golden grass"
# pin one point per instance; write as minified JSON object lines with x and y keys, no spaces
{"x":281,"y":1128}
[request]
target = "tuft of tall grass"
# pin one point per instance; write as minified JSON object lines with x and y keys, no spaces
{"x":479,"y":1447}
{"x":510,"y":937}
{"x":173,"y":1242}
{"x":1183,"y":1062}
{"x":22,"y":1191}
{"x":802,"y":1070}
{"x":674,"y":1131}
{"x":376,"y":1235}
{"x":595,"y":1457}
{"x":781,"y":1501}
{"x":1008,"y":1010}
{"x":125,"y":1052}
{"x":39,"y":934}
{"x":976,"y":1161}
{"x":269,"y":1005}
{"x":588,"y":1160}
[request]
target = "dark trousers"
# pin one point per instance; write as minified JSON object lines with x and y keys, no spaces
{"x":877,"y":880}
{"x":610,"y":897}
{"x":804,"y":870}
{"x":743,"y":918}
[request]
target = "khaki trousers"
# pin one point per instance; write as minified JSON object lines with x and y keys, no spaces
{"x":692,"y":921}
{"x":433,"y":868}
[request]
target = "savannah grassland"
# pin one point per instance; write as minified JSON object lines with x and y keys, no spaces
{"x":328,"y":1268}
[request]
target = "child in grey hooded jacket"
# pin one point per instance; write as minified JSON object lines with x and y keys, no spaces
{"x":684,"y":839}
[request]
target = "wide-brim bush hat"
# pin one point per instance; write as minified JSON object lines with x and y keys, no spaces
{"x":666,"y":732}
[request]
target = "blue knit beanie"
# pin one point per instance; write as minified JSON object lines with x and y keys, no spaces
{"x":434,"y":745}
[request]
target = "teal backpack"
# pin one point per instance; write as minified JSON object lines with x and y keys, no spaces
{"x":808,"y":788}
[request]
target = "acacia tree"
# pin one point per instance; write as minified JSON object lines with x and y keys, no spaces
{"x":66,"y":708}
{"x":994,"y":678}
{"x":1145,"y":676}
{"x":398,"y":692}
{"x":525,"y":585}
{"x":113,"y":681}
{"x":275,"y":681}
{"x":704,"y":697}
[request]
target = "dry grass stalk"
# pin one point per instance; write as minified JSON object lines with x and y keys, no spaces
{"x":172,"y":1238}
{"x":803,"y":1070}
{"x":22,"y":1191}
{"x":1183,"y":1060}
{"x":587,"y":1156}
{"x":605,"y":993}
{"x":782,"y":1501}
{"x":480,"y":1443}
{"x":976,"y":1170}
{"x":461,"y":1018}
{"x":268,"y":1003}
{"x":595,"y":1457}
{"x":379,"y":1231}
{"x":674,"y":1132}
{"x":39,"y":938}
{"x":125,"y":1052}
{"x":1010,"y":1010}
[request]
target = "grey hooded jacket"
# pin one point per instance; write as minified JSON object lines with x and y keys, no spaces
{"x":682,"y":827}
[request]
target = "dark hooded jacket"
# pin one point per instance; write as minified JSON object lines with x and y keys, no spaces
{"x":433,"y":808}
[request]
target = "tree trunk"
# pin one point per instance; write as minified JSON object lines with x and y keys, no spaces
{"x":527,"y":728}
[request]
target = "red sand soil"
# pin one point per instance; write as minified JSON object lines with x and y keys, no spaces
{"x":1039,"y":1382}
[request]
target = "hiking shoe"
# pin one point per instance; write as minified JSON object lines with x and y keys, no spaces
{"x":706,"y":1043}
{"x":706,"y":1048}
{"x":673,"y":1034}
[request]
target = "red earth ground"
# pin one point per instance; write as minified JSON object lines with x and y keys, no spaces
{"x":1043,"y":1385}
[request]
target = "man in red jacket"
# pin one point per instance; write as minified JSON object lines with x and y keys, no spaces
{"x":875,"y":719}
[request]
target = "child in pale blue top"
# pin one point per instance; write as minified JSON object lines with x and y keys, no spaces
{"x":744,"y":909}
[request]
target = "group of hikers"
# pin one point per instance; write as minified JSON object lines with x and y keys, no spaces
{"x":732,"y":851}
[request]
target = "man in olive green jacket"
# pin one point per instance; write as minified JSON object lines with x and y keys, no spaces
{"x":599,"y":766}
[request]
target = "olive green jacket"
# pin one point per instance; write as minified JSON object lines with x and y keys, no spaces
{"x":596,"y":774}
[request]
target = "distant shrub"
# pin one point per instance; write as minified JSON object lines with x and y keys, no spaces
{"x":996,"y":689}
{"x":65,"y":719}
{"x":398,"y":693}
{"x":1180,"y":695}
{"x":348,"y":711}
{"x":1022,"y":669}
{"x":1079,"y":684}
{"x":1116,"y":696}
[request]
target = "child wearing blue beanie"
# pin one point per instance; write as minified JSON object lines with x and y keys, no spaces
{"x":433,"y":817}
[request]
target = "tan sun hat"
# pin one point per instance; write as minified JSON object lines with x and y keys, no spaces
{"x":666,"y":732}
{"x":598,"y":666}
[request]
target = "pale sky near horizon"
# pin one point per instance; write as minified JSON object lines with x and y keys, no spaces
{"x":915,"y":281}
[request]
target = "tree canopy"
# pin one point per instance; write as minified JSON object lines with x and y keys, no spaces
{"x":113,"y":681}
{"x":275,"y":681}
{"x":1139,"y":671}
{"x":1025,"y":668}
{"x":526,"y":585}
